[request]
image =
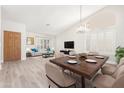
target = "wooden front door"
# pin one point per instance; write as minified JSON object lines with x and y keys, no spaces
{"x":12,"y":46}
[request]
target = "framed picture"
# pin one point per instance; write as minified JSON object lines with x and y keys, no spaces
{"x":30,"y":40}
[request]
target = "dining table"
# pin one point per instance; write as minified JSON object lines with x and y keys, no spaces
{"x":84,"y":68}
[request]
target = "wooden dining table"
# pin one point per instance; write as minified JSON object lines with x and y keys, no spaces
{"x":83,"y":68}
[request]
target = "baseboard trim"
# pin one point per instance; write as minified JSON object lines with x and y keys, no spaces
{"x":23,"y":58}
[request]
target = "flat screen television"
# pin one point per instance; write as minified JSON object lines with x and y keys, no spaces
{"x":69,"y":44}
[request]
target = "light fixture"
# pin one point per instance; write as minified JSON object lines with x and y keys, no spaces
{"x":82,"y":28}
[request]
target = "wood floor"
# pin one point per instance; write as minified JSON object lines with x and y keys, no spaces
{"x":25,"y":74}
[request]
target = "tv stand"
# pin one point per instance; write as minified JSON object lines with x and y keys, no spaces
{"x":65,"y":51}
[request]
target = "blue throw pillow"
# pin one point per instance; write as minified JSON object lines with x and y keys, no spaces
{"x":34,"y":50}
{"x":48,"y":49}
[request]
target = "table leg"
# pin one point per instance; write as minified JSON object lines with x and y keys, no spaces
{"x":83,"y":82}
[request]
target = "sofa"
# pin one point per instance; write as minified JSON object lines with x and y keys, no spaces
{"x":38,"y":52}
{"x":33,"y":52}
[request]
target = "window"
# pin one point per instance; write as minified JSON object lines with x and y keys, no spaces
{"x":101,"y":41}
{"x":42,"y":43}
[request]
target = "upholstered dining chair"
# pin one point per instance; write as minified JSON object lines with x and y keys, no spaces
{"x":107,"y":81}
{"x":59,"y":54}
{"x":109,"y":69}
{"x":57,"y":78}
{"x":93,"y":53}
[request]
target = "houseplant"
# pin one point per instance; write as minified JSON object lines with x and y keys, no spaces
{"x":119,"y":53}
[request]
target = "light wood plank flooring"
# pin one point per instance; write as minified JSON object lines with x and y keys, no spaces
{"x":25,"y":74}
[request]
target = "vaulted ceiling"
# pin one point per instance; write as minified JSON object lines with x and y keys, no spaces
{"x":49,"y":19}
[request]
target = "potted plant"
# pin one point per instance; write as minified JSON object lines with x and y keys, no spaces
{"x":119,"y":53}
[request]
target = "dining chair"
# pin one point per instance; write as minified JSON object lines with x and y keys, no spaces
{"x":59,"y":54}
{"x":57,"y":78}
{"x":108,"y":81}
{"x":93,"y":53}
{"x":109,"y":69}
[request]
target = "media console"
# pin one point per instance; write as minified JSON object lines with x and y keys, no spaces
{"x":65,"y":51}
{"x":69,"y":47}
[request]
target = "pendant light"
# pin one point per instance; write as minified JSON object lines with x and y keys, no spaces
{"x":82,"y":28}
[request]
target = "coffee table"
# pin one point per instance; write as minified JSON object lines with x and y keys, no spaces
{"x":46,"y":55}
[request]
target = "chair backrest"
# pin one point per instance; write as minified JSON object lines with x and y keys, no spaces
{"x":121,"y":62}
{"x":59,"y":54}
{"x":118,"y":71}
{"x":55,"y":73}
{"x":119,"y":82}
{"x":94,"y":53}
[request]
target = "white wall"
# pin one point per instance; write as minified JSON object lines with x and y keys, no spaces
{"x":71,"y":35}
{"x":120,"y":26}
{"x":41,"y":35}
{"x":0,"y":38}
{"x":116,"y":25}
{"x":8,"y":25}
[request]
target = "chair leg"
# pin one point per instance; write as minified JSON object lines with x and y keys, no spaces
{"x":49,"y":86}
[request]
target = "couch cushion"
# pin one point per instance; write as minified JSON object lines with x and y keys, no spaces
{"x":103,"y":81}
